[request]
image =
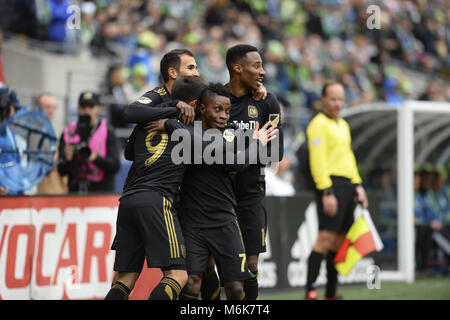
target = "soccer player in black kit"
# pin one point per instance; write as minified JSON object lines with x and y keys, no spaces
{"x":246,"y":71}
{"x":175,"y":63}
{"x":147,"y":226}
{"x":207,"y":216}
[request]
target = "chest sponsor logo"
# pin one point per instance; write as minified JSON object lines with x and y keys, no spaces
{"x":252,"y":112}
{"x":245,"y":125}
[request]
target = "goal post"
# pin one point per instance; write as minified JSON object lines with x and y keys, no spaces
{"x":405,"y":165}
{"x":432,"y":121}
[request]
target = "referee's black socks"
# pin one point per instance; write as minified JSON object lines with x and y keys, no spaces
{"x":167,"y":289}
{"x":332,"y":276}
{"x":118,"y":291}
{"x":251,"y":287}
{"x":314,"y":262}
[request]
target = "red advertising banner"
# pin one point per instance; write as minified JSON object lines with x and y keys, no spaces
{"x":58,"y":247}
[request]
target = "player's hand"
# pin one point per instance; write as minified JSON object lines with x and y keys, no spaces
{"x":157,"y":125}
{"x":266,"y":133}
{"x":361,"y":196}
{"x":330,"y":204}
{"x":92,"y":157}
{"x":187,"y":112}
{"x":260,"y":93}
{"x":69,"y":152}
{"x":4,"y":191}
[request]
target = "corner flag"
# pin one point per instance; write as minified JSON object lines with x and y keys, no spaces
{"x":361,"y":239}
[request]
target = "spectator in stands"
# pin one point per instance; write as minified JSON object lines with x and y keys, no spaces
{"x":425,"y":219}
{"x":48,"y":104}
{"x":440,"y":202}
{"x":53,"y":183}
{"x":433,"y":92}
{"x":58,"y":22}
{"x":114,"y":95}
{"x":88,"y":149}
{"x":441,"y":208}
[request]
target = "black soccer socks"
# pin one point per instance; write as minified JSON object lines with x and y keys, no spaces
{"x":251,"y":287}
{"x":210,"y":285}
{"x":314,"y":261}
{"x":167,"y":289}
{"x":118,"y":291}
{"x":185,"y":295}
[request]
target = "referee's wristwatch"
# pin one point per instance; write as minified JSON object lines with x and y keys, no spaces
{"x":328,"y":191}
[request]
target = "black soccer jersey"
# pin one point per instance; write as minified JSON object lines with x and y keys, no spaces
{"x":152,"y":166}
{"x":207,"y":191}
{"x":134,"y":113}
{"x":245,"y":112}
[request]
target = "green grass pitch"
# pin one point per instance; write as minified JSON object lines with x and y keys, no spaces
{"x":436,"y":288}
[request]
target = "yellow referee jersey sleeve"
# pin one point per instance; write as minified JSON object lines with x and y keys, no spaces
{"x":330,"y":152}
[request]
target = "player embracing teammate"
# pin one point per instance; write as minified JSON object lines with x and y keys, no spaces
{"x":246,"y":75}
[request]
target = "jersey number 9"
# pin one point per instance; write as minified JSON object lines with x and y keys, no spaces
{"x":158,"y":149}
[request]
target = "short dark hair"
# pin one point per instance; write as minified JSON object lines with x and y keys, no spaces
{"x":188,"y":89}
{"x":236,"y":53}
{"x":328,"y":84}
{"x":41,"y":95}
{"x":211,"y":90}
{"x":172,"y":60}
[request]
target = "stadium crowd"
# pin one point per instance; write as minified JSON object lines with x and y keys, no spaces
{"x":303,"y":42}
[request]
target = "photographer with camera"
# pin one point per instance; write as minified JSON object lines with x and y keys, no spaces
{"x":89,"y":149}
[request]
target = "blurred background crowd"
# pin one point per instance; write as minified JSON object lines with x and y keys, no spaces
{"x":303,"y":42}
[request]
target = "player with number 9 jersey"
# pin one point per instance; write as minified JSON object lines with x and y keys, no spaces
{"x":147,"y":224}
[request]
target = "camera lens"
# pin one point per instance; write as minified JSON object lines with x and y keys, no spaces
{"x":84,"y":153}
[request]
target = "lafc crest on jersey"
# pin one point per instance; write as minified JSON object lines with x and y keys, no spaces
{"x":252,"y":112}
{"x":161,"y":91}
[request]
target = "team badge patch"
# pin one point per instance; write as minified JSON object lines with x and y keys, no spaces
{"x":161,"y":91}
{"x":274,"y":118}
{"x":144,"y":100}
{"x":87,"y":95}
{"x":252,"y":112}
{"x":228,"y":135}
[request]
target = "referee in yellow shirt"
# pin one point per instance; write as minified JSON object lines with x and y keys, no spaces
{"x":337,"y":182}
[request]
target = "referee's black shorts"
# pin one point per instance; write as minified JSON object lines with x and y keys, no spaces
{"x":147,"y":227}
{"x":345,"y":193}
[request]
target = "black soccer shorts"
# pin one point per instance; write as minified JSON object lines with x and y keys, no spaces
{"x":344,"y":191}
{"x":147,"y":227}
{"x":224,"y":244}
{"x":252,"y":218}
